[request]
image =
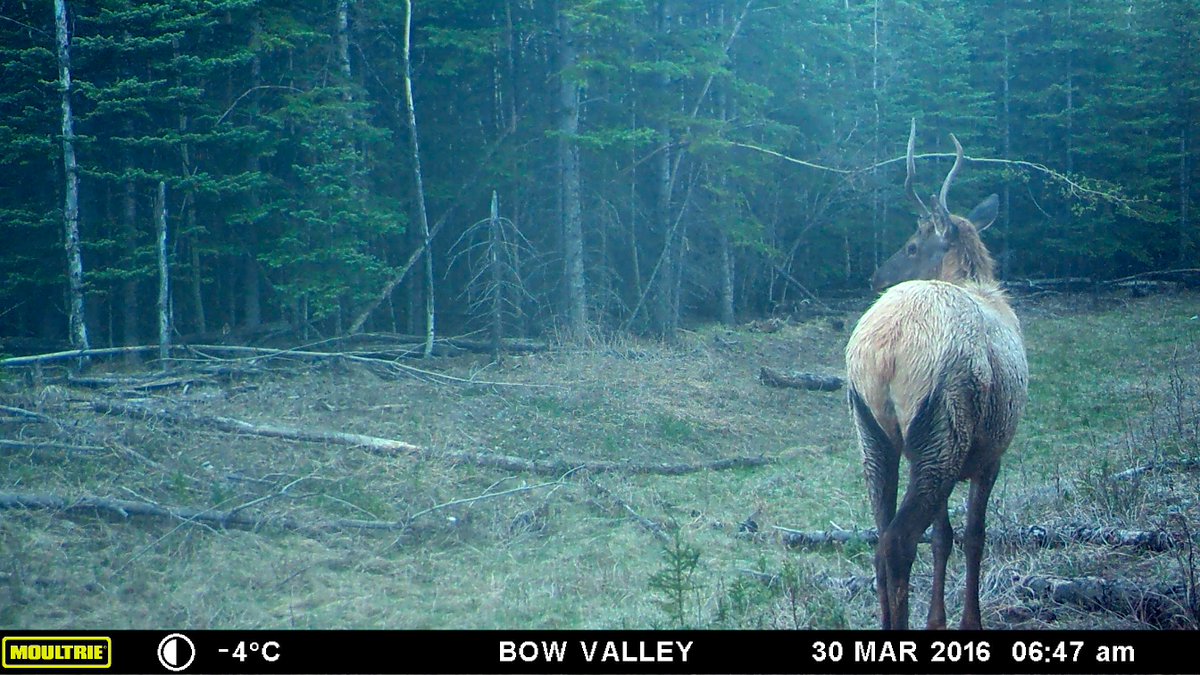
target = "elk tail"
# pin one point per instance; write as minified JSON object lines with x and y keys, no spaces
{"x":929,"y":431}
{"x":876,"y":443}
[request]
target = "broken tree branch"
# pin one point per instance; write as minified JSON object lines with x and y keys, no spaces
{"x":620,"y":505}
{"x":1156,"y":466}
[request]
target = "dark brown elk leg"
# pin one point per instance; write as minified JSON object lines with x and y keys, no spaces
{"x":973,"y":539}
{"x":881,"y":467}
{"x":924,"y":500}
{"x":943,"y":543}
{"x":883,"y":501}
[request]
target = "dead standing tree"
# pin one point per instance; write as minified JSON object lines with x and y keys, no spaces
{"x":493,"y":249}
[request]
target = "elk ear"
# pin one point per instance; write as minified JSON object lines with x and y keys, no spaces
{"x":984,"y":214}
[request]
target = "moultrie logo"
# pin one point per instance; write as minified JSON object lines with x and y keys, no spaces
{"x":57,"y":652}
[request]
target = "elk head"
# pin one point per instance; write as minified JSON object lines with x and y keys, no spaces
{"x":945,"y":246}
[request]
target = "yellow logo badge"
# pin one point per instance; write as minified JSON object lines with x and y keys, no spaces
{"x":57,"y":652}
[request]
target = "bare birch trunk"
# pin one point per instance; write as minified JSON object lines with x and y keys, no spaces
{"x":164,"y":277}
{"x":496,"y":240}
{"x":422,"y":216}
{"x":343,"y":41}
{"x":77,"y":323}
{"x":130,"y":311}
{"x":663,"y":284}
{"x":568,"y":159}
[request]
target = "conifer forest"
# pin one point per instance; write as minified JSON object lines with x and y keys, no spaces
{"x":330,"y":165}
{"x":452,"y":314}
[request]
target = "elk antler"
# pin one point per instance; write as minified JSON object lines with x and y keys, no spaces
{"x":958,"y":157}
{"x":912,"y":166}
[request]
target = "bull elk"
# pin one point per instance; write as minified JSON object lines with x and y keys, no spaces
{"x":936,"y":372}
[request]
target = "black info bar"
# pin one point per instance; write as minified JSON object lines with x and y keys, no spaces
{"x":547,"y":651}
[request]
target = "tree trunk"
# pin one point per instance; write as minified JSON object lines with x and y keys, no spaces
{"x":77,"y":326}
{"x":727,"y":284}
{"x":130,"y":310}
{"x":568,"y":161}
{"x":1185,"y":187}
{"x":495,"y":241}
{"x":164,"y":277}
{"x":197,"y":276}
{"x":876,"y":220}
{"x":664,"y":311}
{"x":510,"y":67}
{"x":1070,"y":112}
{"x":415,"y":147}
{"x":252,"y":288}
{"x":343,"y":43}
{"x":1006,"y":224}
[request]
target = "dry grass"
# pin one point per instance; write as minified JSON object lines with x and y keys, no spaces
{"x":569,"y":555}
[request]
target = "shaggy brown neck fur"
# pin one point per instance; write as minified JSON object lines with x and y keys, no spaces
{"x":969,"y":259}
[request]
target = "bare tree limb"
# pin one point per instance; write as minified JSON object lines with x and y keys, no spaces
{"x":562,"y":466}
{"x":386,"y":446}
{"x":1074,"y":187}
{"x":657,"y":529}
{"x":42,"y":445}
{"x":21,"y":412}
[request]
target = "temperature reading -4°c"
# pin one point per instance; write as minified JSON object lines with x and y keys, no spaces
{"x":268,"y":650}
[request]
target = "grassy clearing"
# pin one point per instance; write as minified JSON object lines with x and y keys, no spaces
{"x":1112,"y":387}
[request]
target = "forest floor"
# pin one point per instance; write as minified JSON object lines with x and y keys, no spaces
{"x":336,"y":536}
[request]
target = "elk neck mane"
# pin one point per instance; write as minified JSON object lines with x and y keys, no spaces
{"x":968,"y":261}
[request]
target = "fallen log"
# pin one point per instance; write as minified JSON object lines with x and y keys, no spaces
{"x":124,"y":509}
{"x":373,"y":444}
{"x":1060,"y":285}
{"x":388,"y":446}
{"x":1160,"y":605}
{"x":1034,"y":536}
{"x":43,"y":445}
{"x":75,"y":354}
{"x":135,"y":383}
{"x":774,"y":378}
{"x":558,"y":467}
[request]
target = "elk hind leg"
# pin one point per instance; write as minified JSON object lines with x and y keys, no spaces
{"x":881,"y":466}
{"x":930,"y":445}
{"x":943,"y":543}
{"x":973,"y":540}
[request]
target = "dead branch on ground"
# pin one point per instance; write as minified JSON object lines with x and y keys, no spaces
{"x":560,"y":466}
{"x":1156,"y":466}
{"x":1034,"y":536}
{"x":42,"y":445}
{"x":21,"y":412}
{"x":619,"y":506}
{"x":374,"y":444}
{"x":1160,"y":605}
